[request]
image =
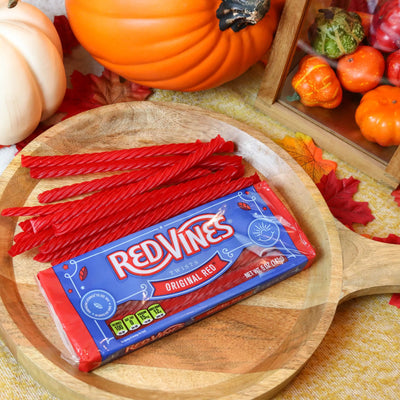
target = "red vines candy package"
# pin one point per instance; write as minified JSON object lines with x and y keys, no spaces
{"x":130,"y":292}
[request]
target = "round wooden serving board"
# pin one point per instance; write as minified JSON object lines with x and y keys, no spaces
{"x":251,"y":349}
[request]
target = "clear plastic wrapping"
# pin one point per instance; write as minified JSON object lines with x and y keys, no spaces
{"x":128,"y":293}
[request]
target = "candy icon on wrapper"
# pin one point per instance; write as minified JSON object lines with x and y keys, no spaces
{"x":153,"y":282}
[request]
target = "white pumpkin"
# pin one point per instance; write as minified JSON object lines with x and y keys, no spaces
{"x":32,"y":73}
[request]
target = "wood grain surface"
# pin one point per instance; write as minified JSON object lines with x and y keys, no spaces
{"x":251,"y":349}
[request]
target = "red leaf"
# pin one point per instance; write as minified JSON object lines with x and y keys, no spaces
{"x":110,"y":88}
{"x":91,"y":91}
{"x":338,"y":194}
{"x":396,"y":195}
{"x":395,"y":300}
{"x":393,"y":239}
{"x":67,"y":37}
{"x":40,"y":129}
{"x":79,"y":98}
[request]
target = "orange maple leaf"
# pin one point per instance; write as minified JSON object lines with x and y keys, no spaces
{"x":308,"y":155}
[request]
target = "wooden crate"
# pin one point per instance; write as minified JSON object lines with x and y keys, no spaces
{"x":333,"y":130}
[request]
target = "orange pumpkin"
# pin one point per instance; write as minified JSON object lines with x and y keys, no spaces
{"x":316,"y":83}
{"x":171,"y":44}
{"x":378,"y":115}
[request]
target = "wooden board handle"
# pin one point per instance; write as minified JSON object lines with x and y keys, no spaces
{"x":370,"y":267}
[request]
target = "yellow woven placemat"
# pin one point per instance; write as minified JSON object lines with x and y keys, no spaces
{"x":358,"y":359}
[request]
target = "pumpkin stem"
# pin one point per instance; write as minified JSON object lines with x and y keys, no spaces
{"x":12,"y":3}
{"x":328,"y":13}
{"x":294,"y":97}
{"x":237,"y":14}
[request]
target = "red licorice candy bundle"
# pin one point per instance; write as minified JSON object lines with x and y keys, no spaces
{"x":170,"y":179}
{"x":100,"y":217}
{"x":56,"y":250}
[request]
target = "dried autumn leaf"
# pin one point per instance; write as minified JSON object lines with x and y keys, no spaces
{"x":338,"y":194}
{"x":67,"y":37}
{"x":110,"y":88}
{"x":91,"y":91}
{"x":303,"y":150}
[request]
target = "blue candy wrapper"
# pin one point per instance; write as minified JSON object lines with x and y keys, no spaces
{"x":128,"y":293}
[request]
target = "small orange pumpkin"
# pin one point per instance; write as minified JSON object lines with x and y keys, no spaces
{"x":173,"y":44}
{"x":316,"y":83}
{"x":378,"y":115}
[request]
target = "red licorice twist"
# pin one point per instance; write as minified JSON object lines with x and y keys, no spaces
{"x":124,"y":154}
